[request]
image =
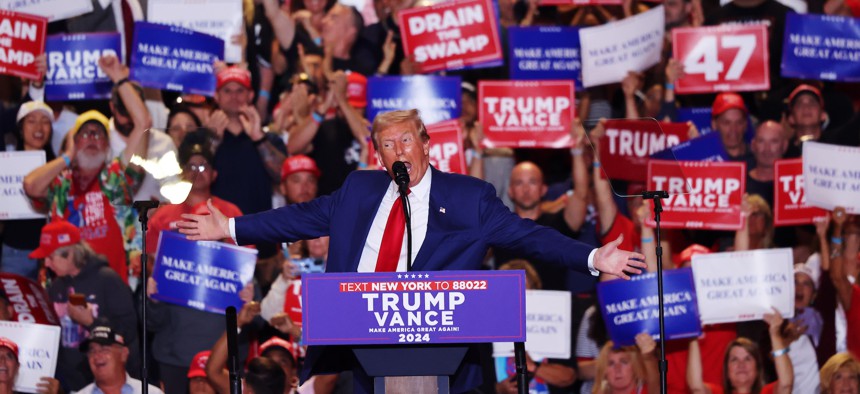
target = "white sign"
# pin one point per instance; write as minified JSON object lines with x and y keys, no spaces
{"x":14,"y":166}
{"x":742,"y":286}
{"x":612,"y":50}
{"x":38,"y":345}
{"x":54,"y":10}
{"x":831,"y":176}
{"x":219,"y":18}
{"x":547,"y":326}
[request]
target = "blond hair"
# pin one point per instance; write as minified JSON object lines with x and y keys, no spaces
{"x":388,"y":119}
{"x":600,"y":383}
{"x":833,"y":364}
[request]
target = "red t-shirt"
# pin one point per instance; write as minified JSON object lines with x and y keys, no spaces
{"x":167,"y":215}
{"x":852,"y":316}
{"x":712,"y":346}
{"x":718,"y":388}
{"x":623,"y":225}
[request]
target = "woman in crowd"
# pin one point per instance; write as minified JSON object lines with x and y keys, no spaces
{"x":841,"y":375}
{"x":180,"y":122}
{"x":21,"y":237}
{"x":628,"y":369}
{"x":743,"y":370}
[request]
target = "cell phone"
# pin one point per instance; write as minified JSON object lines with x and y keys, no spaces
{"x":77,"y":299}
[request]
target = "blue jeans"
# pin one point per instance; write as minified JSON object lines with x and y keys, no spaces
{"x":15,"y":261}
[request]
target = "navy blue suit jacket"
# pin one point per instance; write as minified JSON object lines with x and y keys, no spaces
{"x":465,"y":219}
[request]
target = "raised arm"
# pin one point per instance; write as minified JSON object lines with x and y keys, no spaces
{"x":694,"y":370}
{"x":784,"y":370}
{"x":838,"y":261}
{"x":606,"y":208}
{"x":647,"y":346}
{"x":138,"y":140}
{"x":283,"y":26}
{"x":575,"y":208}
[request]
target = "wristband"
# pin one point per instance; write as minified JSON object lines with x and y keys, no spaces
{"x":669,"y":86}
{"x":318,"y":41}
{"x":647,"y":240}
{"x":362,"y":165}
{"x":317,"y":117}
{"x":836,"y":240}
{"x":596,"y":164}
{"x":576,"y":151}
{"x":780,"y":352}
{"x":265,"y":94}
{"x":67,"y":159}
{"x":121,"y":81}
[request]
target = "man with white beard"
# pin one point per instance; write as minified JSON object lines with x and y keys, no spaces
{"x":91,"y":188}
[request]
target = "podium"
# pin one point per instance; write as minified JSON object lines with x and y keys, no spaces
{"x":411,"y":331}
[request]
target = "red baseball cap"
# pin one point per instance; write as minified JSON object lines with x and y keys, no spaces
{"x":299,"y":163}
{"x":727,"y":101}
{"x":197,"y":369}
{"x":8,"y":344}
{"x":356,"y":89}
{"x":55,"y":235}
{"x":276,"y":342}
{"x":233,"y":74}
{"x":805,"y":88}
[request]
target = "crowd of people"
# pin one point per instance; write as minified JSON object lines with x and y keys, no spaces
{"x":288,"y":125}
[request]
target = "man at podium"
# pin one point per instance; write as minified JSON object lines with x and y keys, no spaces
{"x":455,"y":219}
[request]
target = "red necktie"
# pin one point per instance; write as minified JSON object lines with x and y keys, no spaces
{"x":392,"y":238}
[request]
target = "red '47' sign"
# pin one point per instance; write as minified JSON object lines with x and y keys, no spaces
{"x":722,"y":58}
{"x":451,"y":35}
{"x":711,"y":201}
{"x":22,"y":38}
{"x":526,"y":114}
{"x":789,"y":197}
{"x":627,"y":144}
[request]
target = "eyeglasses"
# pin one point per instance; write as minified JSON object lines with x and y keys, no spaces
{"x":91,"y":135}
{"x":196,"y":167}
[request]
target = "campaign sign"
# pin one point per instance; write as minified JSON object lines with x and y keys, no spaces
{"x":14,"y":166}
{"x":526,"y":114}
{"x":201,"y":275}
{"x":707,"y":147}
{"x":548,"y":323}
{"x":436,"y":98}
{"x":700,"y":116}
{"x":73,"y":66}
{"x":446,"y":147}
{"x":710,"y":200}
{"x":627,"y":145}
{"x":174,"y":58}
{"x":831,"y":178}
{"x":545,"y":53}
{"x":22,"y":38}
{"x":743,"y":286}
{"x":386,"y":308}
{"x":30,"y":302}
{"x":38,"y":350}
{"x":821,"y":47}
{"x":451,"y":35}
{"x":54,"y":10}
{"x":789,"y":198}
{"x":611,"y":50}
{"x":722,"y":58}
{"x":219,"y":18}
{"x":631,"y":307}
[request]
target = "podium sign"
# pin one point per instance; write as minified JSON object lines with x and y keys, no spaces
{"x":394,"y":308}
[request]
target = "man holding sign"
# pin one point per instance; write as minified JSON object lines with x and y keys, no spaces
{"x":455,"y":219}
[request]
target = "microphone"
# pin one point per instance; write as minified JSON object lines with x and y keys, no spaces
{"x":401,"y":176}
{"x":142,"y":205}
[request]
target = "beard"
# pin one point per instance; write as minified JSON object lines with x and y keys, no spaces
{"x":124,"y":128}
{"x":90,"y":161}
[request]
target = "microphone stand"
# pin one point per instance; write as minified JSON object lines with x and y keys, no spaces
{"x":232,"y":351}
{"x":407,"y":212}
{"x":657,"y":196}
{"x":143,"y":208}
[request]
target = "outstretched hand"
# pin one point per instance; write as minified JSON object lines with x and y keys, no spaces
{"x":621,"y":263}
{"x":211,"y":227}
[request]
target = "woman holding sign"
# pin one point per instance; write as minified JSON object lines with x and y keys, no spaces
{"x":629,"y":369}
{"x":22,"y":236}
{"x":743,"y":371}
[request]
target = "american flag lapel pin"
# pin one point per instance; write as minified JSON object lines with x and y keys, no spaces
{"x":442,"y":209}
